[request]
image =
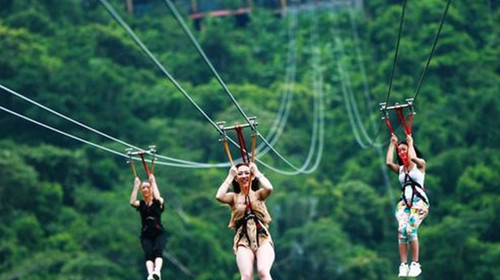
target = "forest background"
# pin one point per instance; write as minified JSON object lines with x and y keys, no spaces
{"x":64,"y":204}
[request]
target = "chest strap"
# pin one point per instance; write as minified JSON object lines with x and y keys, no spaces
{"x":250,"y":215}
{"x":410,"y":183}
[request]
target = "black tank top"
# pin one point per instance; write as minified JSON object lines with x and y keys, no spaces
{"x":151,"y":218}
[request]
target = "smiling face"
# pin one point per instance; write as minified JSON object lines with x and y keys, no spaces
{"x":243,"y":178}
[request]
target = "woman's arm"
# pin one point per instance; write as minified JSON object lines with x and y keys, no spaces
{"x":267,"y":187}
{"x":222,"y":194}
{"x":133,"y":197}
{"x":389,"y":159}
{"x":156,"y":191}
{"x":412,"y":154}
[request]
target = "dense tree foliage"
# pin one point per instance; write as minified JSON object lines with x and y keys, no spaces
{"x":64,"y":204}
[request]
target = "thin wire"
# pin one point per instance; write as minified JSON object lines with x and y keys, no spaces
{"x":397,"y":50}
{"x":285,"y":106}
{"x":315,"y":60}
{"x":90,"y":142}
{"x":136,"y":39}
{"x":184,"y":162}
{"x":363,"y":73}
{"x":62,"y":132}
{"x":393,"y":64}
{"x":318,"y":122}
{"x":115,"y":15}
{"x":377,"y":146}
{"x":179,"y":19}
{"x":347,"y":91}
{"x":318,"y":88}
{"x":193,"y":40}
{"x":443,"y":17}
{"x":351,"y":105}
{"x":380,"y":153}
{"x":348,"y":108}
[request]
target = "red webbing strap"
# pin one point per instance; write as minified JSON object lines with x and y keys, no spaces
{"x":391,"y":130}
{"x":410,"y":122}
{"x":401,"y":118}
{"x":144,"y":164}
{"x":389,"y":126}
{"x":243,"y":146}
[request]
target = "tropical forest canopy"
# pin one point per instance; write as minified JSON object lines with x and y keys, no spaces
{"x":65,"y":203}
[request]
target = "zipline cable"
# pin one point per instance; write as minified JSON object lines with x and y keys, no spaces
{"x":89,"y":142}
{"x":366,"y":91}
{"x":115,"y":15}
{"x":315,"y":61}
{"x":136,"y":39}
{"x":394,"y":63}
{"x":182,"y":162}
{"x":318,"y":89}
{"x":179,"y":19}
{"x":62,"y":132}
{"x":280,"y":121}
{"x":443,"y":17}
{"x":318,"y":111}
{"x":351,"y":104}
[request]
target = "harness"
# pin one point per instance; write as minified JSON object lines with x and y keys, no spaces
{"x":150,"y":219}
{"x":247,"y":158}
{"x":410,"y":185}
{"x":250,"y":215}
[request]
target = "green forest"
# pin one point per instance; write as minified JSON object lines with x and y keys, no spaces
{"x":313,"y":76}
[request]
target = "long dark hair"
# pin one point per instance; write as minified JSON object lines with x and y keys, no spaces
{"x":255,"y":182}
{"x":417,"y":151}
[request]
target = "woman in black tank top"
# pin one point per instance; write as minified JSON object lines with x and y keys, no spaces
{"x":153,"y":237}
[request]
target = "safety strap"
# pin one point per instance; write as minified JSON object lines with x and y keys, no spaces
{"x":414,"y":185}
{"x":250,"y":214}
{"x":148,"y":173}
{"x":152,"y":150}
{"x":407,"y":126}
{"x":157,"y":224}
{"x":389,"y":126}
{"x":130,"y":161}
{"x":226,"y":148}
{"x":246,"y":158}
{"x":243,"y":145}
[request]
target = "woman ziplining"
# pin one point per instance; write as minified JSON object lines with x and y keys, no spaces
{"x":413,"y":206}
{"x":153,"y":236}
{"x":249,"y":216}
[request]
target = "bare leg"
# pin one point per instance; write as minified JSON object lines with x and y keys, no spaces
{"x":403,"y":252}
{"x":402,"y":216}
{"x":414,"y":250}
{"x":245,"y":260}
{"x":265,"y":259}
